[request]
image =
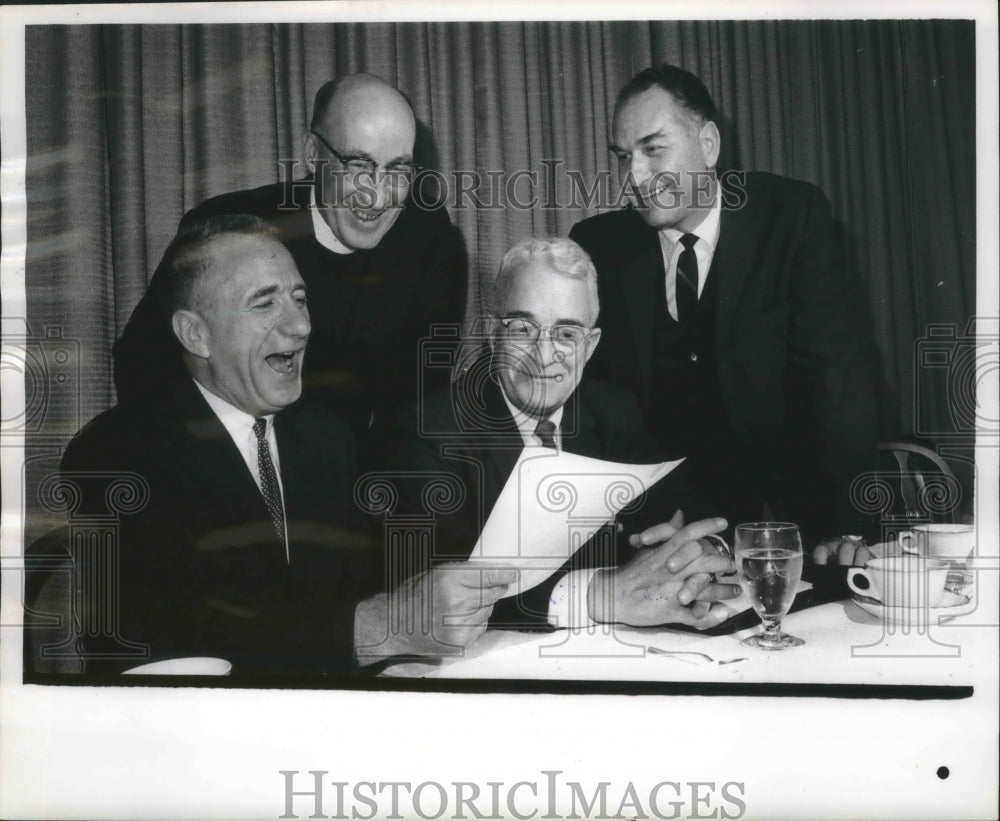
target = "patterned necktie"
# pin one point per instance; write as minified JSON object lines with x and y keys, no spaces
{"x":687,"y":279}
{"x":546,"y":431}
{"x":269,"y":486}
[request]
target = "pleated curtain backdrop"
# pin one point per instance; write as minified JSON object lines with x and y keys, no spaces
{"x":129,"y":126}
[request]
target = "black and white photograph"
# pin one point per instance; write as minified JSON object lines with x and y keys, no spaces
{"x":500,"y":411}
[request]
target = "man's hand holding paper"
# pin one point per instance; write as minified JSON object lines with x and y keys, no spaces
{"x":435,"y":613}
{"x":551,"y":505}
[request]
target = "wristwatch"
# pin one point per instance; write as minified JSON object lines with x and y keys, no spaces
{"x":720,"y":546}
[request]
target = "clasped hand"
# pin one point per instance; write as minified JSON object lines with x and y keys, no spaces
{"x":668,"y":581}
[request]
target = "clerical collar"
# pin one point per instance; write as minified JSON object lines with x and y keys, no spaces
{"x":324,"y":234}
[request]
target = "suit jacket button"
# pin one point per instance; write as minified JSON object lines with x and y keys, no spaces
{"x":693,"y":356}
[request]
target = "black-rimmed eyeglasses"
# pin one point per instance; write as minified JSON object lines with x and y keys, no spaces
{"x":357,"y":165}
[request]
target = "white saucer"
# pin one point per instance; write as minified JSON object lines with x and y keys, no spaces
{"x":192,"y":666}
{"x":952,"y":605}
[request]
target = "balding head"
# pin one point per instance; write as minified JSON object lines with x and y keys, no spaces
{"x":362,"y":117}
{"x":359,"y":95}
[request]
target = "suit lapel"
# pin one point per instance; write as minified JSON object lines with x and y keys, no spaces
{"x":217,"y":461}
{"x":578,"y":431}
{"x":641,"y":274}
{"x":504,"y":446}
{"x":731,"y":267}
{"x":294,"y":480}
{"x":579,"y":428}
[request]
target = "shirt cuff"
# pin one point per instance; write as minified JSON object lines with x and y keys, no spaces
{"x":568,"y":602}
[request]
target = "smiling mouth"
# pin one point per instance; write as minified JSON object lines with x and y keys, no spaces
{"x":284,"y":363}
{"x":652,"y":196}
{"x":366,"y":216}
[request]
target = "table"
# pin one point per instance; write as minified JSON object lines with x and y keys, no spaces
{"x":844,"y":645}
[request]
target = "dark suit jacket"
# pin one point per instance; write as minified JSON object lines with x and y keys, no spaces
{"x":201,"y":569}
{"x":466,"y":431}
{"x":796,"y":363}
{"x":369,"y":309}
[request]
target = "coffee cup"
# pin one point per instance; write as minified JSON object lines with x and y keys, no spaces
{"x":953,"y":542}
{"x":901,"y":581}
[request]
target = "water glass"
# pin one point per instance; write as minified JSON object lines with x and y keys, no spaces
{"x":769,"y":566}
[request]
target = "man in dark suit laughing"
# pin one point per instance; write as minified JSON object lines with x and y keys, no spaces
{"x":242,"y":541}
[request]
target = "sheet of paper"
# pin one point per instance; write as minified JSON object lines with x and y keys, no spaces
{"x":551,"y":506}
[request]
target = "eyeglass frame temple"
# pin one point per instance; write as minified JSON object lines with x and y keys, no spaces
{"x":587,"y":332}
{"x":344,"y":159}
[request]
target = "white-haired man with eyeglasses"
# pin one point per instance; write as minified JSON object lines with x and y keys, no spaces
{"x":528,"y":390}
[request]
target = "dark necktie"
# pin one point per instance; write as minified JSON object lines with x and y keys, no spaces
{"x":687,"y":279}
{"x":269,"y":486}
{"x":546,"y":431}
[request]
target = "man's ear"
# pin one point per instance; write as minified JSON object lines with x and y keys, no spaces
{"x":310,"y":150}
{"x":711,"y":142}
{"x":592,"y":340}
{"x":192,"y":331}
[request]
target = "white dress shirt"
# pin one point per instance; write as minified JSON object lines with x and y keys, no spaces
{"x":324,"y":234}
{"x":239,"y":426}
{"x":526,"y":424}
{"x":568,"y":602}
{"x":704,"y":249}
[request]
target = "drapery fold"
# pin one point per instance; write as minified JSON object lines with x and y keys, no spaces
{"x":129,"y":126}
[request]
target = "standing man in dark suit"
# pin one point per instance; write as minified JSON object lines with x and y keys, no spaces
{"x":381,"y":269}
{"x":529,"y":392}
{"x":729,"y":308}
{"x":244,"y":542}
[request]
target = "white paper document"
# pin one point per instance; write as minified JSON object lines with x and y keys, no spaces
{"x":552,"y":504}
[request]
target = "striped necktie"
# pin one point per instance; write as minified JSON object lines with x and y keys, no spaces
{"x":269,"y":487}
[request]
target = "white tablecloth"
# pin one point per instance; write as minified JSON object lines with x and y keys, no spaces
{"x":844,"y":645}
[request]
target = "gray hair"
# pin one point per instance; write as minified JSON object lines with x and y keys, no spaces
{"x":185,"y":261}
{"x":561,"y":256}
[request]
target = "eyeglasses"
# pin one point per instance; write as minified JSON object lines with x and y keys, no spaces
{"x":524,"y":331}
{"x":398,"y":173}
